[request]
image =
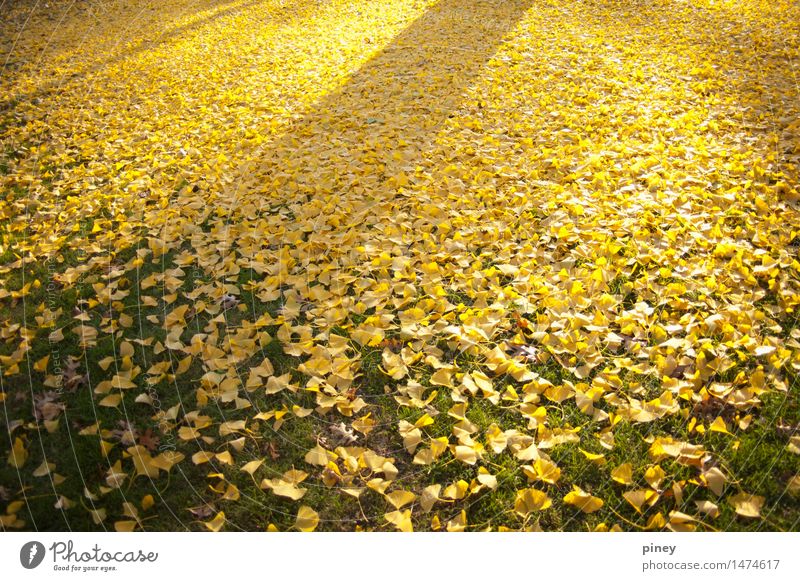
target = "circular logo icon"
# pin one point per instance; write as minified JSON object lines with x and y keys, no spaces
{"x":31,"y":554}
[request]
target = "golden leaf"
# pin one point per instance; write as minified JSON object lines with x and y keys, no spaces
{"x":529,"y":500}
{"x":748,"y":505}
{"x":583,"y":500}
{"x":307,"y":519}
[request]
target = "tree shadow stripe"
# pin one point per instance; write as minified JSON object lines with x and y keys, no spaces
{"x":382,"y":120}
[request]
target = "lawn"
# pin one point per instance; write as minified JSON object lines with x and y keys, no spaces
{"x":400,"y":265}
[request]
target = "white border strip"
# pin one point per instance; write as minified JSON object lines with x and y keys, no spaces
{"x":418,"y":556}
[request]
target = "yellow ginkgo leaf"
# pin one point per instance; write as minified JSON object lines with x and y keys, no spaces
{"x":224,"y":457}
{"x":487,"y":479}
{"x":44,"y":469}
{"x":231,"y":492}
{"x":401,"y":520}
{"x":202,"y":457}
{"x":466,"y":454}
{"x":637,"y":498}
{"x":125,"y":526}
{"x":400,"y":498}
{"x":598,"y":459}
{"x":655,"y":522}
{"x":110,"y":401}
{"x":319,"y":456}
{"x":654,"y":475}
{"x":216,"y":523}
{"x":681,"y":522}
{"x":424,"y":421}
{"x":443,"y":377}
{"x":529,"y":500}
{"x":98,"y":515}
{"x":747,"y":505}
{"x":41,"y":364}
{"x":715,"y":479}
{"x":283,"y":488}
{"x":718,"y":425}
{"x":458,"y":524}
{"x":543,"y":470}
{"x":457,"y":490}
{"x":307,"y":519}
{"x":252,"y":466}
{"x":583,"y":500}
{"x":623,"y":474}
{"x":430,"y":495}
{"x":707,"y":507}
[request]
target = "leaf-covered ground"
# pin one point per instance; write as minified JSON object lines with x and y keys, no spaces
{"x":402,"y":264}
